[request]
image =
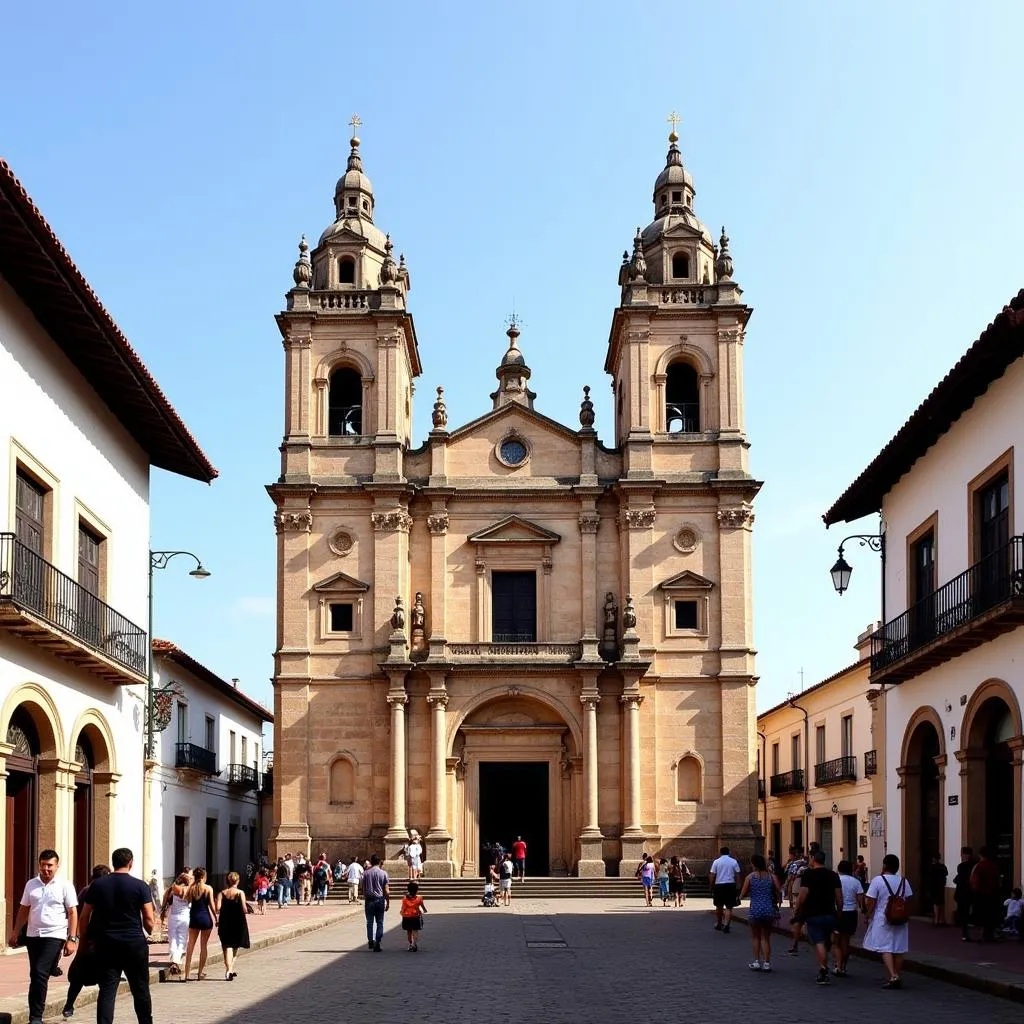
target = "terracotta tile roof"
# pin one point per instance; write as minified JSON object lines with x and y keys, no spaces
{"x":46,"y":279}
{"x":1000,"y":344}
{"x":171,"y":651}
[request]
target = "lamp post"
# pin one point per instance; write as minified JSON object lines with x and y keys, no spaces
{"x":842,"y":570}
{"x":159,"y":560}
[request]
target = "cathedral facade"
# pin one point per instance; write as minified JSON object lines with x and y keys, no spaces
{"x":515,"y":628}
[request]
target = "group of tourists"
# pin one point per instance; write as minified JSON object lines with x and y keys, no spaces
{"x":977,"y":896}
{"x":669,"y":874}
{"x":292,"y":881}
{"x":104,"y":927}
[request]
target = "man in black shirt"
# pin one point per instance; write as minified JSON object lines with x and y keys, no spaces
{"x":119,"y":915}
{"x":818,"y":905}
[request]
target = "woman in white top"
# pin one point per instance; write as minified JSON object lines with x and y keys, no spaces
{"x":174,"y":914}
{"x":414,"y":854}
{"x":882,"y":936}
{"x":846,"y":925}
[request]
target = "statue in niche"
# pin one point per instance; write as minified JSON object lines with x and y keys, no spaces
{"x":418,"y":618}
{"x":611,"y":614}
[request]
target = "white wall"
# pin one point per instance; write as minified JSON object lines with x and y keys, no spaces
{"x":177,"y":795}
{"x":939,"y":482}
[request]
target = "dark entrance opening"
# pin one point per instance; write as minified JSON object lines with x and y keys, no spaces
{"x":22,"y":797}
{"x":514,"y":802}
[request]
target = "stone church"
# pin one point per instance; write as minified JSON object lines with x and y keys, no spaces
{"x":515,"y":627}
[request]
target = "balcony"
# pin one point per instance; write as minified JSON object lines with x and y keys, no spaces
{"x":839,"y":769}
{"x":191,"y":758}
{"x":788,"y":782}
{"x":870,"y":763}
{"x":48,"y":608}
{"x":243,"y":776}
{"x":972,"y":608}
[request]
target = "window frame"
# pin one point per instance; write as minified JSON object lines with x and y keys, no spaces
{"x":347,"y":260}
{"x":683,"y":254}
{"x":914,"y":538}
{"x":846,"y":739}
{"x":696,"y":396}
{"x":1000,"y":465}
{"x":332,"y":628}
{"x":210,"y":733}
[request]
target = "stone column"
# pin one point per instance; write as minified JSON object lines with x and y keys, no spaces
{"x":397,"y":835}
{"x":437,"y":524}
{"x":631,"y":702}
{"x":591,"y":861}
{"x":589,"y":522}
{"x":439,"y":863}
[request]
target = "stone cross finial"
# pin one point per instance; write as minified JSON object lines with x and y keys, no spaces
{"x":673,"y":119}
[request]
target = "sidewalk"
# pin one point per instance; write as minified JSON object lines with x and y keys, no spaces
{"x":264,"y":930}
{"x":993,"y":967}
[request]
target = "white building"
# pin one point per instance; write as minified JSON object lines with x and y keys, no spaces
{"x":949,"y":660}
{"x":206,"y":780}
{"x":81,"y":423}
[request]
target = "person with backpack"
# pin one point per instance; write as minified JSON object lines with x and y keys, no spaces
{"x":887,"y":907}
{"x":321,"y":880}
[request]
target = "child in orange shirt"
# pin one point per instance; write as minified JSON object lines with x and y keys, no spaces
{"x":413,"y":910}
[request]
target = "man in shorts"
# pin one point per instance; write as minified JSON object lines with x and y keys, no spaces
{"x":819,"y":905}
{"x":794,"y":871}
{"x":519,"y":854}
{"x":506,"y":871}
{"x":725,"y":872}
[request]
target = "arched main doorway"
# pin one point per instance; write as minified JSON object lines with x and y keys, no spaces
{"x":22,"y":805}
{"x":922,"y":781}
{"x":992,"y":785}
{"x":519,"y":770}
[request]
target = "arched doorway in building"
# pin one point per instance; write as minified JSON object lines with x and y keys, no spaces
{"x":519,"y":775}
{"x":992,"y":783}
{"x":92,"y":800}
{"x":83,"y":812}
{"x":22,"y":806}
{"x":922,"y":781}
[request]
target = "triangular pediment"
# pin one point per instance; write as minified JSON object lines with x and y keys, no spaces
{"x":687,"y":580}
{"x":341,"y":583}
{"x":514,"y":529}
{"x":514,"y":412}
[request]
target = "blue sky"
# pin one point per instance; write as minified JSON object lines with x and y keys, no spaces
{"x":866,"y":161}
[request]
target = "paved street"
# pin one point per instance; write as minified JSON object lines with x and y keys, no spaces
{"x":620,"y":962}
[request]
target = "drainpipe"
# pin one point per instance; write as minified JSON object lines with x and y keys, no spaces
{"x":764,"y":778}
{"x":807,"y":768}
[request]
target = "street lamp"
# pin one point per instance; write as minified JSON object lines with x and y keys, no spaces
{"x":159,"y":560}
{"x":842,"y":570}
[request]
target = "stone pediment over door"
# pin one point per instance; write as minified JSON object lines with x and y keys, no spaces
{"x":514,"y":529}
{"x":341,"y":583}
{"x":686,"y":580}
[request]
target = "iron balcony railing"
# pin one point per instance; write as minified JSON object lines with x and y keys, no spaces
{"x":871,"y":762}
{"x":839,"y":769}
{"x":198,"y":759}
{"x":788,"y":782}
{"x":244,"y":776}
{"x":997,"y":578}
{"x":31,"y":583}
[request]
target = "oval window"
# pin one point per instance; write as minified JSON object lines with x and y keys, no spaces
{"x":513,"y":451}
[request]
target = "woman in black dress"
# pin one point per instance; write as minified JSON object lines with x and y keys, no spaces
{"x":232,"y":928}
{"x":202,"y":916}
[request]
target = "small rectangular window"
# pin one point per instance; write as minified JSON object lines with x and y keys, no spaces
{"x":245,"y":751}
{"x":182,"y":722}
{"x":819,"y":743}
{"x":686,"y":615}
{"x":341,"y":618}
{"x":795,"y":751}
{"x":677,"y":197}
{"x":211,"y":733}
{"x":775,"y":759}
{"x":847,"y":725}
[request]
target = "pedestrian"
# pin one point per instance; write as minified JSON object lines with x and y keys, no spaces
{"x":174,"y":917}
{"x":84,"y":970}
{"x":413,"y":909}
{"x":261,"y":890}
{"x":117,"y":916}
{"x":321,"y":880}
{"x":1013,"y":907}
{"x":376,"y":901}
{"x":985,"y":887}
{"x":725,"y":871}
{"x":202,"y":916}
{"x":962,"y":893}
{"x":765,"y":895}
{"x":292,"y":890}
{"x":645,"y":872}
{"x":846,"y":926}
{"x":303,"y":881}
{"x":282,"y":883}
{"x":506,"y":871}
{"x":663,"y":881}
{"x":519,"y":855}
{"x":819,"y":902}
{"x":232,"y":927}
{"x":935,"y":883}
{"x":49,"y":912}
{"x":794,"y":872}
{"x":675,"y":882}
{"x":885,"y":906}
{"x":414,"y":855}
{"x":860,"y":871}
{"x":354,"y":875}
{"x":338,"y":871}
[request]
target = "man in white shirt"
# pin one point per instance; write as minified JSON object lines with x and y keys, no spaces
{"x":49,"y":907}
{"x":725,"y":872}
{"x":354,"y":875}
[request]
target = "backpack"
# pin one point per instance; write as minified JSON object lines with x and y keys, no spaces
{"x":897,"y":910}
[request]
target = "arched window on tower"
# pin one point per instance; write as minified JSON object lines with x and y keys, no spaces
{"x":346,"y":270}
{"x":345,"y":404}
{"x":680,"y":265}
{"x":682,"y":400}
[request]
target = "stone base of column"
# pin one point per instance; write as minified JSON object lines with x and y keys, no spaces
{"x":590,"y":863}
{"x":289,"y":837}
{"x":439,"y":862}
{"x":632,"y":852}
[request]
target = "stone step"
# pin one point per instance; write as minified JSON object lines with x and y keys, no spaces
{"x":537,"y":888}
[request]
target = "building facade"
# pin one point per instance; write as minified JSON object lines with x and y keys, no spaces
{"x":947,"y":663}
{"x":515,"y":628}
{"x":208,"y":750}
{"x":81,"y":423}
{"x":819,"y":768}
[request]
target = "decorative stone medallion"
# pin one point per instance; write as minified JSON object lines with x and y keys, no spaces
{"x":687,"y":540}
{"x":341,"y":542}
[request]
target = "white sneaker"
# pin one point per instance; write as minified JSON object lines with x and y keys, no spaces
{"x":755,"y":965}
{"x":766,"y":966}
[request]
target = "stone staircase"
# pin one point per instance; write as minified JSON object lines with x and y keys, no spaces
{"x":533,"y":888}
